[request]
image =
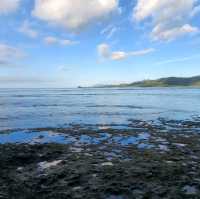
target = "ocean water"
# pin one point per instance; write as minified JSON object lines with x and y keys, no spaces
{"x":41,"y":108}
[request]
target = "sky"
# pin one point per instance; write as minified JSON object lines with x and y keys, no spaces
{"x":64,"y":43}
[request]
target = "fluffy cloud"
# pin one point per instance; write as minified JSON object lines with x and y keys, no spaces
{"x":170,"y":17}
{"x":168,"y":34}
{"x":54,"y":40}
{"x":105,"y":52}
{"x":73,"y":14}
{"x":27,"y":30}
{"x":7,"y":6}
{"x":8,"y":54}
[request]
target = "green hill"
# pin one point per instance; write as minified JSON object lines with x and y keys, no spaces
{"x":164,"y":82}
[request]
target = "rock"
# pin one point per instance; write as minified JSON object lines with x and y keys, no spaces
{"x":107,"y":164}
{"x":88,"y":154}
{"x":169,"y":162}
{"x":115,"y":197}
{"x":163,"y":147}
{"x":19,"y":169}
{"x":94,"y":175}
{"x":77,"y":188}
{"x":41,"y":137}
{"x":189,"y":190}
{"x":179,"y":144}
{"x":76,"y":149}
{"x":47,"y":165}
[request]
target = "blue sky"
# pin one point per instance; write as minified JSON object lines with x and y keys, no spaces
{"x":50,"y":43}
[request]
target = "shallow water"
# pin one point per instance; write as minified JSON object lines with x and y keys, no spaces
{"x":34,"y":108}
{"x":43,"y":137}
{"x":33,"y":137}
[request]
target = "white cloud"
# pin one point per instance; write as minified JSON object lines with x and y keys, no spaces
{"x":109,"y":31}
{"x":118,"y":55}
{"x":170,"y":17}
{"x":67,"y":42}
{"x":54,"y":40}
{"x":50,"y":40}
{"x":73,"y":14}
{"x":105,"y":52}
{"x":7,"y":6}
{"x":8,"y":54}
{"x":27,"y":30}
{"x":161,"y":34}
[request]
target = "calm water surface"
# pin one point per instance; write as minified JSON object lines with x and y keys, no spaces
{"x":33,"y":108}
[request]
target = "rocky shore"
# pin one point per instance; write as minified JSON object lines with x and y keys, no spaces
{"x":145,"y":160}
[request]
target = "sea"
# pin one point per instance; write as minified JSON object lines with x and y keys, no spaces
{"x":59,"y":108}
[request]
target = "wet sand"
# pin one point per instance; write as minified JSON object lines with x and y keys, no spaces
{"x":142,"y":160}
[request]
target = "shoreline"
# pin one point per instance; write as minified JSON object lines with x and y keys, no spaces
{"x":147,"y":161}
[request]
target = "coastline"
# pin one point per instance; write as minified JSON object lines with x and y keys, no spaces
{"x":146,"y":160}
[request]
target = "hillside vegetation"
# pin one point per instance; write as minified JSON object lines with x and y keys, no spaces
{"x":163,"y":82}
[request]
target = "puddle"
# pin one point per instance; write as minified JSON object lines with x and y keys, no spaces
{"x":145,"y":146}
{"x":35,"y":137}
{"x":117,"y":134}
{"x":130,"y":140}
{"x":85,"y":139}
{"x":20,"y":137}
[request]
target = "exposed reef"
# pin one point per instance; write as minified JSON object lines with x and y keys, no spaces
{"x":145,"y":160}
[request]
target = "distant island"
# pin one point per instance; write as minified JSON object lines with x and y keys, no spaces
{"x":162,"y":82}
